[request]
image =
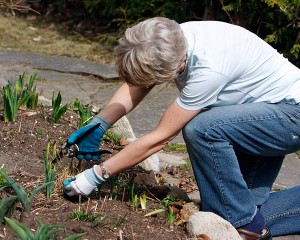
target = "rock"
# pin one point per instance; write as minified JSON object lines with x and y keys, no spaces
{"x":168,"y":160}
{"x":195,"y":196}
{"x":146,"y":179}
{"x":3,"y":82}
{"x":188,"y":210}
{"x":124,"y":128}
{"x":178,"y":193}
{"x":169,"y":179}
{"x":162,"y":191}
{"x":210,"y":226}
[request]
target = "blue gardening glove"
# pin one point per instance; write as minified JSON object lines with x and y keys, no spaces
{"x":88,"y":143}
{"x":83,"y":183}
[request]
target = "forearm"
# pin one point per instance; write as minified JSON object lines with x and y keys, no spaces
{"x":172,"y":121}
{"x":133,"y":154}
{"x":124,"y":100}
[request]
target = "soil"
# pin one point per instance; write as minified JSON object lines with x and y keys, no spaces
{"x":22,"y":152}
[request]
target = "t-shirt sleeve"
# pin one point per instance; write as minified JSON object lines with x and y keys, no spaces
{"x":201,"y":90}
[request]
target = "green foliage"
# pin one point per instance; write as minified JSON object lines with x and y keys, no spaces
{"x":57,"y":109}
{"x":134,"y":201}
{"x":168,"y":200}
{"x":84,"y":216}
{"x":275,"y":21}
{"x":114,"y":137}
{"x":49,"y":169}
{"x":175,"y":147}
{"x":44,"y":232}
{"x":31,"y":90}
{"x":143,"y":201}
{"x":169,"y":213}
{"x":167,"y":208}
{"x":283,"y":25}
{"x":7,"y":207}
{"x":132,"y":194}
{"x":186,"y":166}
{"x":26,"y":200}
{"x":115,"y":185}
{"x":3,"y":181}
{"x":85,"y":113}
{"x":16,"y":96}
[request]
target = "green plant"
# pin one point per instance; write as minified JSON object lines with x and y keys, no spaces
{"x":132,"y":194}
{"x":114,"y":137}
{"x":49,"y":169}
{"x":44,"y":232}
{"x":57,"y":109}
{"x":86,"y":216}
{"x":143,"y":201}
{"x":277,"y":22}
{"x":7,"y":207}
{"x":34,"y":96}
{"x":186,"y":166}
{"x":3,"y":181}
{"x":283,"y":26}
{"x":26,"y":200}
{"x":16,"y":96}
{"x":171,"y":215}
{"x":85,"y":113}
{"x":134,"y":201}
{"x":115,"y":186}
{"x":169,"y":212}
{"x":176,"y":147}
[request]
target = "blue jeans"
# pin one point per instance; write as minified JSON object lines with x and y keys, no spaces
{"x":236,"y":153}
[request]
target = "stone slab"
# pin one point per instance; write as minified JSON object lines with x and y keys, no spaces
{"x":57,"y":63}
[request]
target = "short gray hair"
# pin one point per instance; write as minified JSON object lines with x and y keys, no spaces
{"x":150,"y":52}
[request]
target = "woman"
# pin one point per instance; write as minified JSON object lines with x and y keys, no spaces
{"x":238,"y":108}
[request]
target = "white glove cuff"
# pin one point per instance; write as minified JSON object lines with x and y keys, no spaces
{"x":103,"y":123}
{"x":99,"y":178}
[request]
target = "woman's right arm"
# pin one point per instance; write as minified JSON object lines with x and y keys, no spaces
{"x":123,"y":101}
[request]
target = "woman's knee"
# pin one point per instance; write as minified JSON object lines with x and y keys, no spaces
{"x":193,"y":130}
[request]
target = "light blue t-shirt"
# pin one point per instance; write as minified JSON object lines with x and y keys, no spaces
{"x":228,"y":65}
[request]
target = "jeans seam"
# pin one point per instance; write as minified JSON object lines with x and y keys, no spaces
{"x":219,"y":180}
{"x":217,"y":124}
{"x":281,"y":215}
{"x":228,"y":215}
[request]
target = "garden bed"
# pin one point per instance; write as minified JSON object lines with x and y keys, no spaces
{"x":110,"y":213}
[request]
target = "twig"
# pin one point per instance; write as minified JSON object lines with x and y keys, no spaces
{"x":87,"y":206}
{"x":132,"y":234}
{"x":20,"y":124}
{"x":120,"y":234}
{"x":123,"y":195}
{"x":79,"y":203}
{"x":222,"y":3}
{"x":96,"y":206}
{"x":15,"y":6}
{"x":103,"y":203}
